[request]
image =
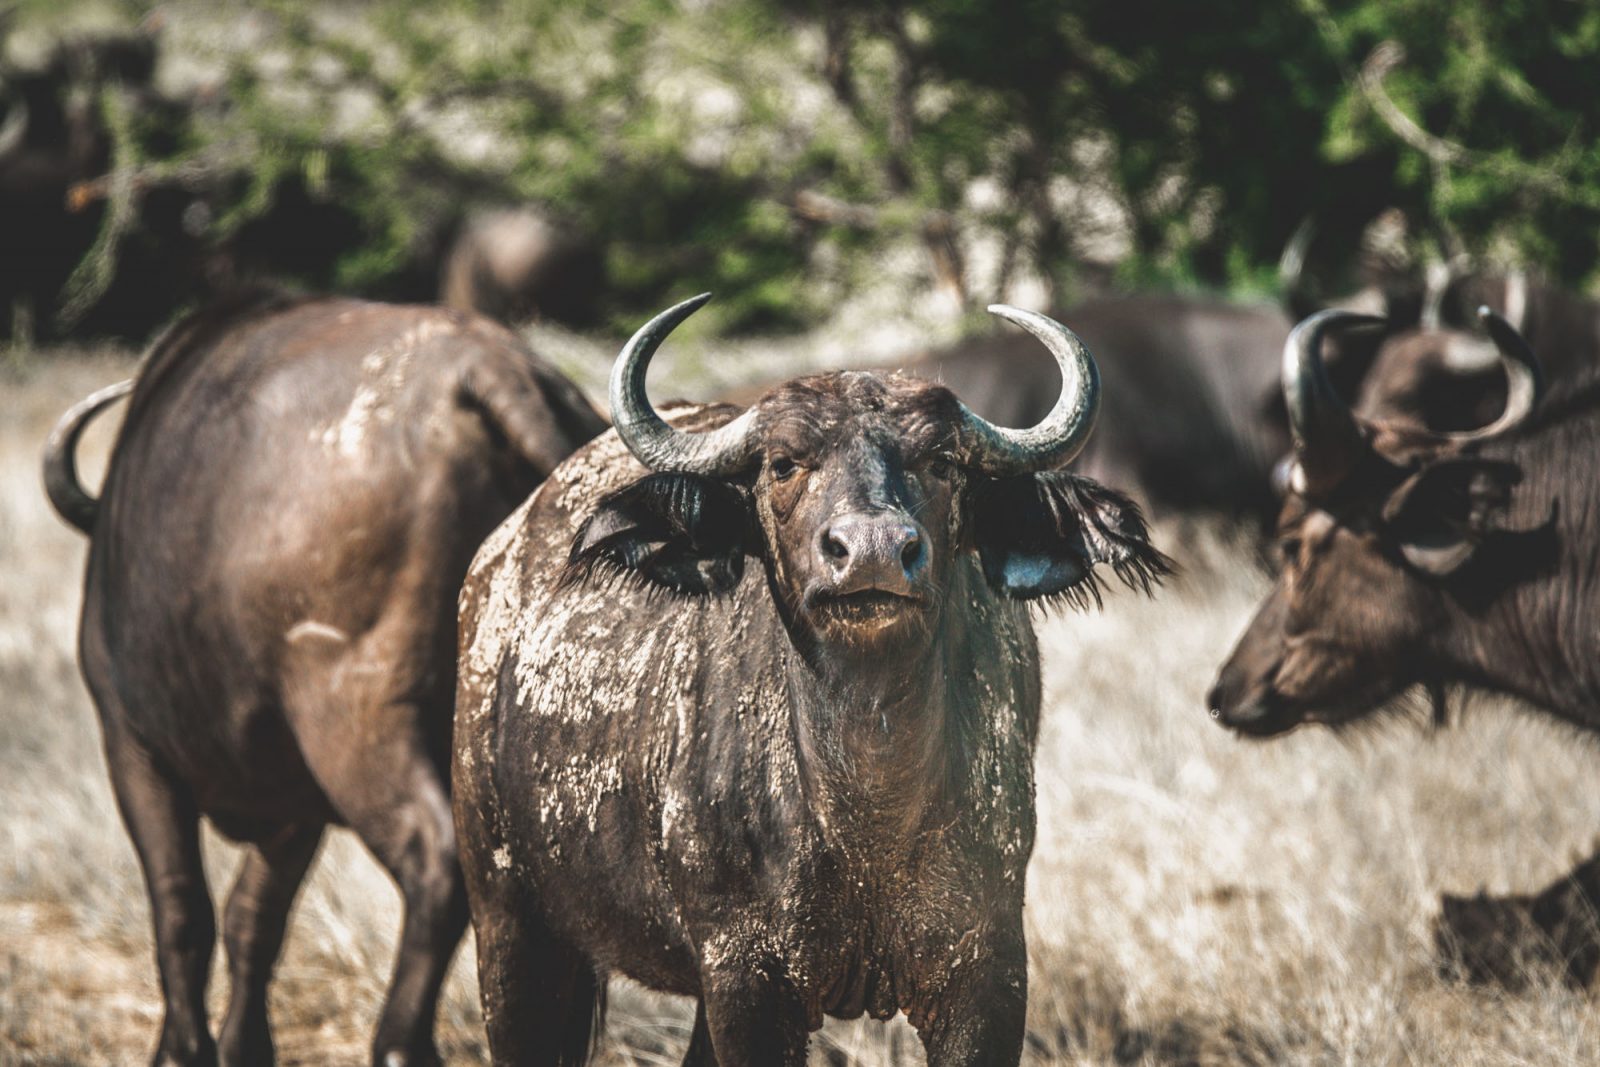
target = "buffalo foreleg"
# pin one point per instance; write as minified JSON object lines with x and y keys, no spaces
{"x":164,"y":823}
{"x":252,"y":930}
{"x":754,"y":1014}
{"x":700,"y":1053}
{"x":981,"y":1017}
{"x":541,"y":999}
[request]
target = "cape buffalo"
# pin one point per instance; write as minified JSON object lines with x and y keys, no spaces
{"x":269,"y":618}
{"x":795,"y":789}
{"x":1417,"y":556}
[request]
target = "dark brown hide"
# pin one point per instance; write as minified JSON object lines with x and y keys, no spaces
{"x":1510,"y":940}
{"x":795,"y":788}
{"x":269,"y":620}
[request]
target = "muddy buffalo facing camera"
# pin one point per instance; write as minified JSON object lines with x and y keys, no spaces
{"x":269,"y":618}
{"x":750,"y":715}
{"x":1424,"y":557}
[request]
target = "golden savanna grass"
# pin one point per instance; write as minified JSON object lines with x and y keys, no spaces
{"x":1193,"y":899}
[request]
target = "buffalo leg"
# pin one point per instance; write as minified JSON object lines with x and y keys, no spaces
{"x":252,"y":931}
{"x":985,"y":1022}
{"x":411,"y":833}
{"x":539,"y":995}
{"x":164,"y":823}
{"x":372,"y":758}
{"x":755,"y":1018}
{"x":700,"y":1053}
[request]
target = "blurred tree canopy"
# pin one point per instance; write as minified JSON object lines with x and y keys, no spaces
{"x":783,"y":152}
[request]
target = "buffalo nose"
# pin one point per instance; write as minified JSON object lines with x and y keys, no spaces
{"x":873,"y":550}
{"x":1226,"y":702}
{"x":1238,"y":704}
{"x":1218,"y":704}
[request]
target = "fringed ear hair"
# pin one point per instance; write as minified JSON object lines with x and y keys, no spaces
{"x":1040,"y":536}
{"x":682,"y":533}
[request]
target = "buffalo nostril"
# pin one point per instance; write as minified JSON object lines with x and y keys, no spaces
{"x":833,"y":546}
{"x":911,"y":553}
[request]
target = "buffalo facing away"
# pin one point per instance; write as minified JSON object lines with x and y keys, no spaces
{"x":1445,"y":377}
{"x":798,"y":788}
{"x":1418,"y":556}
{"x":269,"y":619}
{"x":1187,"y":423}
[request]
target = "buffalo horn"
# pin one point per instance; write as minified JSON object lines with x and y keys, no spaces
{"x":1327,"y":436}
{"x":655,"y":444}
{"x":1061,"y":436}
{"x":1524,"y":383}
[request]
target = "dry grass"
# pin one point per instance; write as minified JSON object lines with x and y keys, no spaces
{"x":1194,"y":899}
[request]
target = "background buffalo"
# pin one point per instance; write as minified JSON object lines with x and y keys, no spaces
{"x":269,"y":614}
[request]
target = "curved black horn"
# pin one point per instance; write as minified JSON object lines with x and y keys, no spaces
{"x":1327,"y":435}
{"x":1063,"y":433}
{"x":658,"y":446}
{"x":1524,"y":382}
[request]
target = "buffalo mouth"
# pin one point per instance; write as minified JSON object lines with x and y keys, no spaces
{"x":864,"y":607}
{"x":1273,"y":716}
{"x":1263,"y":721}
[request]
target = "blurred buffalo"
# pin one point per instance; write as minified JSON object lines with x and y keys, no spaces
{"x":1184,"y":423}
{"x":515,"y":264}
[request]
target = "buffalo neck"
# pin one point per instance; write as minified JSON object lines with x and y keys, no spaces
{"x":878,"y":740}
{"x":1531,"y":625}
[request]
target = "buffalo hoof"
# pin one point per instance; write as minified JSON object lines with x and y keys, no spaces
{"x":185,"y":1054}
{"x":1510,"y":941}
{"x":254,"y":1054}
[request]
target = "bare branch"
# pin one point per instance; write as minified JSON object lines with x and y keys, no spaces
{"x":1379,"y":65}
{"x":198,"y":173}
{"x":1382,"y":62}
{"x":819,"y":207}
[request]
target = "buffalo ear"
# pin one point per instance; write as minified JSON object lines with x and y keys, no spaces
{"x":683,"y":533}
{"x":1442,"y":514}
{"x":1040,"y":536}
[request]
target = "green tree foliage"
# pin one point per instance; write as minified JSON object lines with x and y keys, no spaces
{"x":776,"y":151}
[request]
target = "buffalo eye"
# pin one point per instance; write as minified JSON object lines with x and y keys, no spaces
{"x":782,"y":467}
{"x":939,"y":467}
